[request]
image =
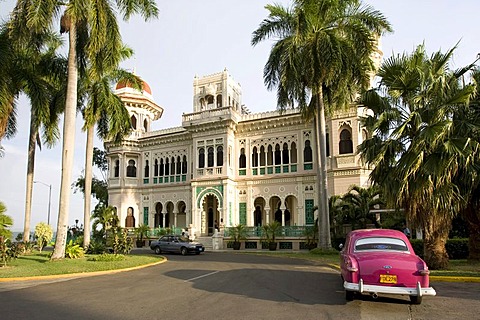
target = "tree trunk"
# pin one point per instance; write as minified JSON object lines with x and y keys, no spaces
{"x":435,"y":237}
{"x":88,"y":186}
{"x":68,"y":147}
{"x":473,"y":221}
{"x":324,"y":238}
{"x":29,"y":183}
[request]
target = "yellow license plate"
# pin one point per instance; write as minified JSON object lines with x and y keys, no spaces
{"x":388,"y":278}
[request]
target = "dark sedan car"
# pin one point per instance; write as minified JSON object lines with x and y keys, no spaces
{"x":176,"y":244}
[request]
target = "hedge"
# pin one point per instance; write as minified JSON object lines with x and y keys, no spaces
{"x":456,"y":248}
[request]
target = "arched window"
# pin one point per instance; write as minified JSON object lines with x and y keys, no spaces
{"x":307,"y":152}
{"x":278,"y":155}
{"x":155,"y":168}
{"x":293,"y":153}
{"x":346,"y":144}
{"x":184,"y":165}
{"x":262,"y":156}
{"x":243,"y":159}
{"x":285,"y":156}
{"x":162,"y":168}
{"x":172,"y":166}
{"x":219,"y":101}
{"x":133,"y":119}
{"x":209,"y":99}
{"x":254,"y":157}
{"x":201,"y":158}
{"x":179,"y":166}
{"x":167,"y":167}
{"x":219,"y":156}
{"x":147,"y":169}
{"x":270,"y":155}
{"x":116,"y":169}
{"x":145,"y":125}
{"x":210,"y":157}
{"x":131,"y":169}
{"x":327,"y":143}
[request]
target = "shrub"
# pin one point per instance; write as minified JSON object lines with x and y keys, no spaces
{"x":456,"y":248}
{"x":122,"y":242}
{"x":43,"y":234}
{"x":73,"y":251}
{"x":96,"y":247}
{"x":108,"y":257}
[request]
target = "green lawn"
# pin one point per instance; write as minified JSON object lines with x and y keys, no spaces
{"x":39,"y":264}
{"x":457,"y":268}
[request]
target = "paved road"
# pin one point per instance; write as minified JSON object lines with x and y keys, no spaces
{"x":224,"y":286}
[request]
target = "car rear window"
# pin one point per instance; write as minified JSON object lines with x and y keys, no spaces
{"x":380,"y":243}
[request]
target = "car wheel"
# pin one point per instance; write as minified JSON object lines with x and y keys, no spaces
{"x":158,"y":250}
{"x":415,"y":299}
{"x":183,"y":251}
{"x":349,"y":295}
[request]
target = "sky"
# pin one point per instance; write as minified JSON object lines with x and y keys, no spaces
{"x":193,"y":37}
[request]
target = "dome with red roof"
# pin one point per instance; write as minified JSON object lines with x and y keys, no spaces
{"x":123,"y":84}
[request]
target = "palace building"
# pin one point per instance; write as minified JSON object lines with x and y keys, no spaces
{"x":224,"y":165}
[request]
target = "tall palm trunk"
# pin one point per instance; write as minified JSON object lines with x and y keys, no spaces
{"x":322,"y":192}
{"x":88,"y":186}
{"x":68,"y":146}
{"x":29,"y":184}
{"x":473,"y":220}
{"x":436,"y":230}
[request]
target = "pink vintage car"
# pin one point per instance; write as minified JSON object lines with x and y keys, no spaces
{"x":380,"y":261}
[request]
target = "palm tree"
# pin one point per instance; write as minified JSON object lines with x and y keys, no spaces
{"x":361,"y":201}
{"x":106,"y":217}
{"x":34,"y":70}
{"x":94,"y":25}
{"x":7,"y":105}
{"x":322,"y":57}
{"x":41,"y":83}
{"x":420,"y":144}
{"x":107,"y":110}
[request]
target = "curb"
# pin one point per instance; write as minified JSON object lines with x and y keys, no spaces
{"x":81,"y":274}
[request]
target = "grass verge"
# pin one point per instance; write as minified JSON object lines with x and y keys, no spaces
{"x":39,"y":264}
{"x":457,"y":268}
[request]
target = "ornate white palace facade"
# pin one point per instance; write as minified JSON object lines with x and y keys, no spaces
{"x":223,"y":165}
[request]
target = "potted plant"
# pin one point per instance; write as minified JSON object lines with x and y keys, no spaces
{"x":141,"y":231}
{"x":238,"y":233}
{"x":270,"y":232}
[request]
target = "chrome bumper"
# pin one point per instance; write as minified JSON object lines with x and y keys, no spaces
{"x":366,"y":288}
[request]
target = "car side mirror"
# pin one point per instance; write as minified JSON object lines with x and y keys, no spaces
{"x":340,"y":246}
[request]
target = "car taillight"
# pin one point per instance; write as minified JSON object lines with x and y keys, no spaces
{"x":424,"y":272}
{"x":352,"y":269}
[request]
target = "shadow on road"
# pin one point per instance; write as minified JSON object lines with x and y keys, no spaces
{"x":267,"y":284}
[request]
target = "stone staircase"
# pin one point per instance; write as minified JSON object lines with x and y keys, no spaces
{"x":206,"y":241}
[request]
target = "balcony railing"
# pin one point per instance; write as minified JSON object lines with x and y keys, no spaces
{"x":286,"y":231}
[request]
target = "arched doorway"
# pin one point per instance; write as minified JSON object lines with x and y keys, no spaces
{"x":158,"y":221}
{"x":212,"y":216}
{"x":170,"y":206}
{"x":130,"y":219}
{"x":181,"y":215}
{"x":275,"y":203}
{"x":259,"y":212}
{"x":291,"y":204}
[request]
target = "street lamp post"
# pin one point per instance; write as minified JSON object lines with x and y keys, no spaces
{"x":49,"y":198}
